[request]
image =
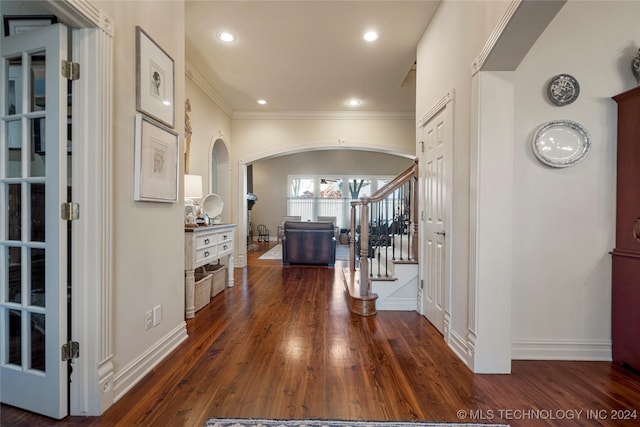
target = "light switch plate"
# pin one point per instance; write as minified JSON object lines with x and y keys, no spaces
{"x":157,"y":315}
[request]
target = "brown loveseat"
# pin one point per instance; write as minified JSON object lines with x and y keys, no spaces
{"x":308,"y":242}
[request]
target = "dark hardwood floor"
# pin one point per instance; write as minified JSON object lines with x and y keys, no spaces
{"x":282,"y":344}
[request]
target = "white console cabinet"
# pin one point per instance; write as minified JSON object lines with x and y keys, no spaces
{"x":204,"y":245}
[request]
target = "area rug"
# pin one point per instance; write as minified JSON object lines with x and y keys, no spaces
{"x":342,"y":253}
{"x":254,"y":422}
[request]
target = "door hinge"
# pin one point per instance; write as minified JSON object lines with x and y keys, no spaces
{"x":421,"y":146}
{"x":70,"y":211}
{"x":70,"y":350}
{"x":70,"y":70}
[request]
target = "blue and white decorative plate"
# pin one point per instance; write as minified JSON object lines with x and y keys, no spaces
{"x":561,"y":143}
{"x":563,"y":89}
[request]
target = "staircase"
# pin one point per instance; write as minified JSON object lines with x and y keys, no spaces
{"x":383,"y":266}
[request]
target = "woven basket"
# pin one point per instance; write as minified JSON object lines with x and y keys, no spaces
{"x":218,"y":272}
{"x":202,"y":289}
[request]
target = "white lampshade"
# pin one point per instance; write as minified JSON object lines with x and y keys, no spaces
{"x":192,"y":187}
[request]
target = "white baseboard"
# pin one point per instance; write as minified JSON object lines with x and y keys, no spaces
{"x":554,"y":349}
{"x":397,"y":304}
{"x":131,"y":374}
{"x":459,"y":346}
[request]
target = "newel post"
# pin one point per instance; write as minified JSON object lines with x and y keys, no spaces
{"x":352,"y":238}
{"x":365,"y":286}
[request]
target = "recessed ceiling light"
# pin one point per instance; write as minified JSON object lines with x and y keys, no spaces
{"x":354,"y":102}
{"x":370,"y":36}
{"x":226,"y":37}
{"x":262,"y":102}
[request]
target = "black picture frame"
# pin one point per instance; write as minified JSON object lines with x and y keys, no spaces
{"x":16,"y":24}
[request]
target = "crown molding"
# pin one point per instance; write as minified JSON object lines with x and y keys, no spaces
{"x":515,"y":33}
{"x":199,"y":80}
{"x":495,"y":36}
{"x":322,"y":115}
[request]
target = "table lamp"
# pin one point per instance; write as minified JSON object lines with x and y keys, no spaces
{"x":192,"y":190}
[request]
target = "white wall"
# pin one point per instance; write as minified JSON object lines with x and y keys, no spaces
{"x":148,"y":238}
{"x":265,"y":136}
{"x":208,"y":123}
{"x":445,"y":54}
{"x":564,"y":219}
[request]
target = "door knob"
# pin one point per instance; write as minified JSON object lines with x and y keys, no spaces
{"x":441,"y":233}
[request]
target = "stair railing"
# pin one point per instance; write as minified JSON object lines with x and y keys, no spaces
{"x":384,"y":223}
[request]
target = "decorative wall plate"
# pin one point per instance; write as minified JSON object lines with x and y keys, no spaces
{"x":563,"y":89}
{"x":212,"y":205}
{"x":561,"y":143}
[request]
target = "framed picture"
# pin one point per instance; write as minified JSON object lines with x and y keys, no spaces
{"x":154,"y":80}
{"x":156,"y":162}
{"x":16,"y":24}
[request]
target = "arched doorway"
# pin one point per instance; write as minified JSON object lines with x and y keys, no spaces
{"x":243,"y":165}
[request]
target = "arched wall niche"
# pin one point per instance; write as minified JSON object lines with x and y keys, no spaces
{"x":219,"y":181}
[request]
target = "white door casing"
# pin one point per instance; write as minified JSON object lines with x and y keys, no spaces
{"x":35,"y":306}
{"x":91,"y":390}
{"x":435,"y":137}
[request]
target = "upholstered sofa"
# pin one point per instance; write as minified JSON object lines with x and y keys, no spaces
{"x":307,"y":242}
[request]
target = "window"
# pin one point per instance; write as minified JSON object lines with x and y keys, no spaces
{"x":311,"y":196}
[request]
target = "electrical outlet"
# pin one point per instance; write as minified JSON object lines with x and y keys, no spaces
{"x":148,"y":320}
{"x":157,"y":315}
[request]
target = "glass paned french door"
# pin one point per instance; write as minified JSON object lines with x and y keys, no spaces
{"x":33,"y":239}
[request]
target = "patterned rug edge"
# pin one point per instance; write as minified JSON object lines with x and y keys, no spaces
{"x":256,"y":422}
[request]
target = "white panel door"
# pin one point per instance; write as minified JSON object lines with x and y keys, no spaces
{"x":434,"y":259}
{"x":33,"y":238}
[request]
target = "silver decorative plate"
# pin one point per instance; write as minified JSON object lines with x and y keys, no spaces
{"x":561,"y":143}
{"x":563,"y":89}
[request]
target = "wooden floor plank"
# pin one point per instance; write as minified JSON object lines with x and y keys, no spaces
{"x":283,"y":344}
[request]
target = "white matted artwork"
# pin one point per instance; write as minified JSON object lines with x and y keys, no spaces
{"x":156,"y":162}
{"x":154,"y":80}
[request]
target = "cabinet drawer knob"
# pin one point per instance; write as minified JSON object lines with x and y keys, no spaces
{"x":206,"y":241}
{"x":225,"y":247}
{"x":206,"y":254}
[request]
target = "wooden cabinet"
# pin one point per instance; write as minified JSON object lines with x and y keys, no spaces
{"x":625,"y":310}
{"x":205,"y":245}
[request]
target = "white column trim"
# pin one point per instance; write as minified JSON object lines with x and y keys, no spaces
{"x":242,"y":216}
{"x":92,"y":381}
{"x":82,"y":14}
{"x":490,"y":222}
